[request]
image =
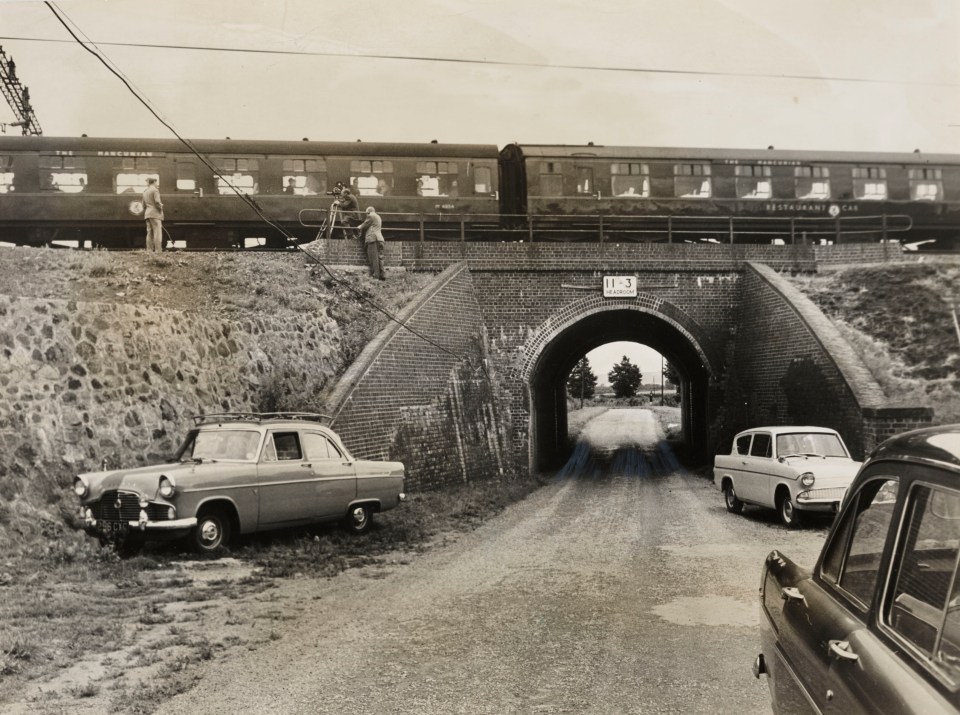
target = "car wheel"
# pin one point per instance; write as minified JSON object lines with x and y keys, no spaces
{"x":211,"y":532}
{"x":788,"y":511}
{"x":734,"y":505}
{"x":359,"y":519}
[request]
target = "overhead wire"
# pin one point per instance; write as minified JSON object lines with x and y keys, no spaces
{"x":96,"y":52}
{"x":503,"y":63}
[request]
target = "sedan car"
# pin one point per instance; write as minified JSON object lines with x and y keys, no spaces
{"x":790,"y":469}
{"x":240,"y":474}
{"x":875,"y":626}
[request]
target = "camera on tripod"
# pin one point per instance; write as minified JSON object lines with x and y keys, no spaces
{"x":337,"y":189}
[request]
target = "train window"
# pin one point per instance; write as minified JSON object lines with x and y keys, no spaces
{"x":692,"y":181}
{"x":67,"y":174}
{"x":242,"y":175}
{"x":630,"y":180}
{"x":753,"y":181}
{"x":305,"y":177}
{"x":584,"y":180}
{"x":133,"y":174}
{"x":481,"y":180}
{"x":437,"y":178}
{"x":6,"y":174}
{"x":869,"y":182}
{"x":372,"y":178}
{"x":926,"y":184}
{"x":812,"y":182}
{"x":551,"y":178}
{"x":186,"y":176}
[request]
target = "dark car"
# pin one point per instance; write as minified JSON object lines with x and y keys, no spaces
{"x":875,"y":626}
{"x":240,"y":474}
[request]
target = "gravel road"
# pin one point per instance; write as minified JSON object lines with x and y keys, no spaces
{"x":621,"y":587}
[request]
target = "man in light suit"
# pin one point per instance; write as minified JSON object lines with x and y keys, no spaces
{"x":153,"y":215}
{"x":370,"y":229}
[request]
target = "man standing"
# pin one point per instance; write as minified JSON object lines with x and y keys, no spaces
{"x":373,"y":242}
{"x":349,"y":210}
{"x":153,"y":214}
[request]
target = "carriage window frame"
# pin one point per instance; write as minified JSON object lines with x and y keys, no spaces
{"x":869,"y":183}
{"x":372,"y":177}
{"x":62,"y":173}
{"x":550,"y":180}
{"x":7,"y":175}
{"x":243,"y":172}
{"x":130,"y":177}
{"x":309,"y":175}
{"x":630,"y":180}
{"x":812,"y":182}
{"x":186,"y":180}
{"x":482,"y":180}
{"x":926,"y":184}
{"x":437,"y":178}
{"x":692,"y":180}
{"x":753,"y":181}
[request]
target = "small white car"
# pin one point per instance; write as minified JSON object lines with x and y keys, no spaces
{"x":790,"y":469}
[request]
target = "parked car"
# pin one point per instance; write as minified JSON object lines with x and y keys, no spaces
{"x":239,"y":474}
{"x":790,"y":469}
{"x":875,"y":626}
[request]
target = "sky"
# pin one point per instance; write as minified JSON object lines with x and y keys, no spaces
{"x":603,"y":358}
{"x":859,"y":75}
{"x":853,"y":75}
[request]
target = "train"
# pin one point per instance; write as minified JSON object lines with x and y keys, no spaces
{"x":85,"y":192}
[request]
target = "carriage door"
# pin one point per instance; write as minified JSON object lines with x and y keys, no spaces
{"x":585,"y":180}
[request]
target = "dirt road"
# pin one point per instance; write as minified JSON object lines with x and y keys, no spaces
{"x":622,"y":587}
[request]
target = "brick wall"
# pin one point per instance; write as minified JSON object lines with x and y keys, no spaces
{"x":432,"y":406}
{"x":790,"y":365}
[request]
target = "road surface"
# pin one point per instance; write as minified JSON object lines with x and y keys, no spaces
{"x":621,"y":587}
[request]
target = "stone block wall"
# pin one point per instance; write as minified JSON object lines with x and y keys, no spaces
{"x":81,"y":382}
{"x":426,"y":398}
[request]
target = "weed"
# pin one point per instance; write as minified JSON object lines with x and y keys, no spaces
{"x":90,"y":690}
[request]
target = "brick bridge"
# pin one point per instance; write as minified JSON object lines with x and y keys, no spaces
{"x":511,"y":319}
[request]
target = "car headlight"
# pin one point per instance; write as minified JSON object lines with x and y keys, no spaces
{"x":807,"y":479}
{"x":167,"y":487}
{"x":80,"y":487}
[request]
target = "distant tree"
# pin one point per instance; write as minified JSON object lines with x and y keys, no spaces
{"x":671,"y":375}
{"x":625,"y":378}
{"x":581,"y":382}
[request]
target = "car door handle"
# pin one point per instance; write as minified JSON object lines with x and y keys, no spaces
{"x":792,"y":594}
{"x":841,"y":649}
{"x":307,"y":465}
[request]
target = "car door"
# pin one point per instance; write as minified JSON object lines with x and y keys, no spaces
{"x":757,"y":467}
{"x":820,"y":613}
{"x":919,"y":614}
{"x":740,"y":465}
{"x":335,"y":476}
{"x":286,"y":481}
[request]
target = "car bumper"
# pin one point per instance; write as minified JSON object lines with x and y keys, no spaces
{"x":826,"y":500}
{"x":92,"y":526}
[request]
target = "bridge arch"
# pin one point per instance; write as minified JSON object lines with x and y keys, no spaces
{"x":555,"y":346}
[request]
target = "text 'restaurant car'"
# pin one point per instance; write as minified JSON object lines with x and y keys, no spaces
{"x":238,"y":474}
{"x":875,"y":626}
{"x":790,"y":469}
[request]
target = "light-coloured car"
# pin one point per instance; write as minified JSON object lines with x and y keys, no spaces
{"x":239,"y":474}
{"x":790,"y":469}
{"x":874,"y":626}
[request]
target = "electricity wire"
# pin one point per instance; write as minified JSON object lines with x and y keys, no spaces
{"x":96,"y":52}
{"x":501,"y":63}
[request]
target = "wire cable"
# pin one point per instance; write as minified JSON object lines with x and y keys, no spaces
{"x":96,"y":52}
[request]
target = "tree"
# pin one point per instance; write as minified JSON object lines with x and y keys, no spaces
{"x":625,"y":378}
{"x":581,"y":382}
{"x":671,"y":375}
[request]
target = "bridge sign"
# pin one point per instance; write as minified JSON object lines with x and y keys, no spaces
{"x":619,"y":287}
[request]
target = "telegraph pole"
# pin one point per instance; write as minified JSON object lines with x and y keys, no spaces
{"x":18,"y":97}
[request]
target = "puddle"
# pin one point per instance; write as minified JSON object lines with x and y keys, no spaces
{"x":708,"y":611}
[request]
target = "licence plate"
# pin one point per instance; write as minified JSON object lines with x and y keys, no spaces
{"x":111,"y":527}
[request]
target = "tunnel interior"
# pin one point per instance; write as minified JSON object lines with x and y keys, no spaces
{"x":550,"y":447}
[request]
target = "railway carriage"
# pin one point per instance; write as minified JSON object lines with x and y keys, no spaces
{"x":86,"y":191}
{"x":731,"y":195}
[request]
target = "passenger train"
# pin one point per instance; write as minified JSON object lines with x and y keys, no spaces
{"x":85,"y":192}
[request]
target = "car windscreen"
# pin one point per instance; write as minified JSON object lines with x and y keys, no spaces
{"x":810,"y":443}
{"x":238,"y":445}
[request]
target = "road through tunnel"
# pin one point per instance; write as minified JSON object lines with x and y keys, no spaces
{"x":549,"y":444}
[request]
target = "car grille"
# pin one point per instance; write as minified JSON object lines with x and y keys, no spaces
{"x":106,"y":508}
{"x":825,"y":494}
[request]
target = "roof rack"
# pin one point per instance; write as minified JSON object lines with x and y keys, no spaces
{"x":258,"y":417}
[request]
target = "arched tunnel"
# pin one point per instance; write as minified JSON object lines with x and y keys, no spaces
{"x":549,"y":445}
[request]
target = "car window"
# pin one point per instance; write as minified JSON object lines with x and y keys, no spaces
{"x":762,"y":445}
{"x":223,"y":444}
{"x":815,"y":443}
{"x":743,"y":444}
{"x":924,"y":606}
{"x":317,"y":446}
{"x":283,"y":446}
{"x":852,"y":560}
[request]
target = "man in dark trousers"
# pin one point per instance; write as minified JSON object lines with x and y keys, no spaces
{"x":372,"y":234}
{"x":349,"y":210}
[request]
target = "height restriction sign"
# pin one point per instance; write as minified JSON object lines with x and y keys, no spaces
{"x":619,"y":287}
